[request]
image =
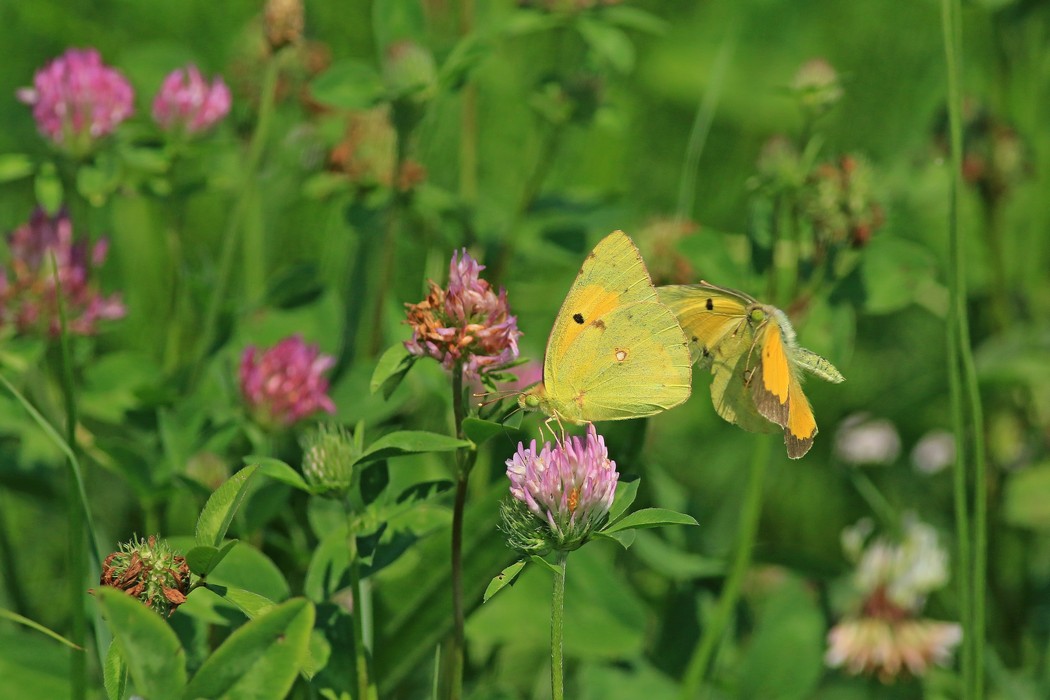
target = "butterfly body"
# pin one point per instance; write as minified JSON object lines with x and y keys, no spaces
{"x":755,"y":360}
{"x":615,"y":352}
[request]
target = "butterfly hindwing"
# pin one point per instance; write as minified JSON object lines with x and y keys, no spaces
{"x":708,"y":314}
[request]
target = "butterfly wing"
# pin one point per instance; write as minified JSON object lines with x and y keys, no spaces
{"x":709,"y":315}
{"x":730,"y":393}
{"x":615,"y":351}
{"x":777,"y":392}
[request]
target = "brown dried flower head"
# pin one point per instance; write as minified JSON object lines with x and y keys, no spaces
{"x":150,"y":571}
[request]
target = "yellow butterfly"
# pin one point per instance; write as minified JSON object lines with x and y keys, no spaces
{"x":615,"y":352}
{"x":754,"y":358}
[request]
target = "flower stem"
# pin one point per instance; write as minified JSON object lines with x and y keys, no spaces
{"x":364,"y":684}
{"x":967,"y":412}
{"x":558,"y":630}
{"x":702,"y":121}
{"x":464,"y":463}
{"x":749,"y":517}
{"x":234,"y":223}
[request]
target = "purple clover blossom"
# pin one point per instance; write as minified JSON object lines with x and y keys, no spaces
{"x":466,"y":324}
{"x":187,"y":103}
{"x":28,"y":291}
{"x":569,"y":486}
{"x":285,"y":383}
{"x":77,"y":99}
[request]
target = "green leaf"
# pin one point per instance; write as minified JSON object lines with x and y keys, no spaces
{"x":115,"y":673}
{"x":48,"y":189}
{"x":331,"y":557}
{"x":261,"y":659}
{"x":281,"y":471}
{"x":671,"y":562}
{"x":1026,"y":498}
{"x":407,"y":442}
{"x":423,"y":491}
{"x":543,"y":563}
{"x":392,"y":367}
{"x":251,"y":604}
{"x":203,"y":559}
{"x":463,"y":58}
{"x":15,"y":166}
{"x":155,"y":659}
{"x":897,"y":272}
{"x":394,"y":21}
{"x":33,"y":624}
{"x":650,"y":517}
{"x":626,"y":492}
{"x":479,"y":431}
{"x":784,"y":657}
{"x":634,"y":18}
{"x":503,"y":579}
{"x":624,"y":538}
{"x":608,"y":42}
{"x":218,"y":512}
{"x":32,"y":667}
{"x":348,"y":84}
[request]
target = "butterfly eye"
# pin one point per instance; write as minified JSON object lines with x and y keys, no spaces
{"x":757,"y":315}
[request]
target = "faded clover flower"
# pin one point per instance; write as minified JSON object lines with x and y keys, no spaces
{"x":367,"y":154}
{"x":817,"y":86}
{"x":150,"y":571}
{"x":285,"y":383}
{"x":466,"y":324}
{"x":28,"y":292}
{"x":659,"y":240}
{"x":284,"y":22}
{"x":77,"y":99}
{"x":186,"y":103}
{"x":934,"y":452}
{"x":329,"y":452}
{"x":560,"y":495}
{"x":885,"y":636}
{"x":840,"y":201}
{"x":862,"y":439}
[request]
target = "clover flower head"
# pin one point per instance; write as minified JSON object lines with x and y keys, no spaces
{"x":77,"y":99}
{"x":149,"y":570}
{"x":187,"y":103}
{"x":43,"y":250}
{"x":568,"y":488}
{"x":886,"y":635}
{"x":285,"y":383}
{"x":465,"y":324}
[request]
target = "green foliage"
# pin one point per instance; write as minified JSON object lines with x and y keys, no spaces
{"x":351,"y":166}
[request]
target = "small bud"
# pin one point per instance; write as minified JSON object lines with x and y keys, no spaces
{"x":409,"y":72}
{"x":284,"y":22}
{"x":329,"y":453}
{"x":150,"y":571}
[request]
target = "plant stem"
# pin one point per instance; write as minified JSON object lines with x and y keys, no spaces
{"x":702,"y":120}
{"x":464,"y":463}
{"x":468,"y":119}
{"x":749,"y":517}
{"x":964,"y":388}
{"x":558,"y":630}
{"x":364,"y":685}
{"x":233,"y":224}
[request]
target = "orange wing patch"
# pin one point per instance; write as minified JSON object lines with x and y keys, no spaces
{"x":594,"y":302}
{"x":776,"y":371}
{"x":801,"y":426}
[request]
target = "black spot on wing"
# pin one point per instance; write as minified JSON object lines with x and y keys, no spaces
{"x":578,"y":317}
{"x":710,"y":305}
